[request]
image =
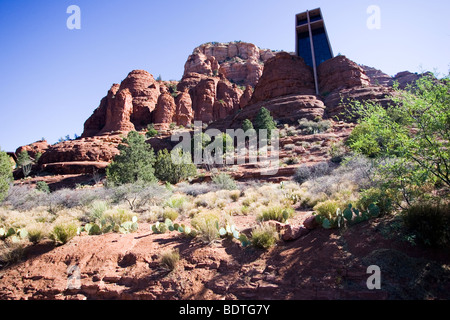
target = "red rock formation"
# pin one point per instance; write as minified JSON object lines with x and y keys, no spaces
{"x":165,"y":109}
{"x":118,"y":113}
{"x":101,"y":149}
{"x":246,"y":97}
{"x":340,"y":73}
{"x":184,"y":114}
{"x":34,"y":148}
{"x":239,"y":62}
{"x":145,"y":91}
{"x":284,"y":74}
{"x":286,"y":109}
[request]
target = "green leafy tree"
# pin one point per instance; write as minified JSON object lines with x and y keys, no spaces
{"x":168,"y":170}
{"x":247,"y":125}
{"x":410,"y":138}
{"x":264,"y":120}
{"x":5,"y":174}
{"x":134,"y":163}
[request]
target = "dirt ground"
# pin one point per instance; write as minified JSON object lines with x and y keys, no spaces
{"x":323,"y":264}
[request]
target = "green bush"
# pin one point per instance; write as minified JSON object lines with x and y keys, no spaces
{"x":376,"y":196}
{"x":42,"y":186}
{"x":276,"y":213}
{"x":151,"y":131}
{"x":264,"y":236}
{"x":174,"y":167}
{"x":328,"y":209}
{"x":64,"y":232}
{"x":224,"y":181}
{"x":430,"y":221}
{"x":6,"y":176}
{"x":135,"y":161}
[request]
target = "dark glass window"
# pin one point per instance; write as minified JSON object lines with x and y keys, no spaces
{"x":321,"y":47}
{"x":304,"y":48}
{"x":302,"y":22}
{"x":316,"y":18}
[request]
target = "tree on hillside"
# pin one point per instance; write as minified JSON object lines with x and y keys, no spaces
{"x":247,"y":125}
{"x":5,"y":174}
{"x":265,"y":121}
{"x":134,"y":163}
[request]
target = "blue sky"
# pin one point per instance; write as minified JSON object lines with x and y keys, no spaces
{"x":53,"y":78}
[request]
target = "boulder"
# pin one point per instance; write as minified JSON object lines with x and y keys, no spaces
{"x":340,"y":73}
{"x":284,"y":74}
{"x":38,"y":147}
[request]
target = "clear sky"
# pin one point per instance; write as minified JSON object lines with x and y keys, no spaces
{"x":53,"y":78}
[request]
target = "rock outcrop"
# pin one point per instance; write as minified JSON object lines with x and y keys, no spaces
{"x":377,"y":77}
{"x":240,"y":62}
{"x":38,"y":147}
{"x":81,"y":155}
{"x":284,"y":74}
{"x":340,"y":73}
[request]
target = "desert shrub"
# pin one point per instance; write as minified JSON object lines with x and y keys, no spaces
{"x":195,"y":189}
{"x":170,"y":213}
{"x":135,"y":161}
{"x":24,"y":198}
{"x":37,"y":232}
{"x":224,"y":181}
{"x":64,"y":232}
{"x":235,"y":195}
{"x":42,"y":186}
{"x":337,"y":152}
{"x":430,"y":221}
{"x":97,"y":210}
{"x":313,"y":127}
{"x":413,"y":133}
{"x":277,"y":213}
{"x":289,"y":146}
{"x":207,"y":223}
{"x":11,"y":252}
{"x":376,"y":196}
{"x":264,"y":236}
{"x":328,"y":209}
{"x":305,"y":173}
{"x":6,"y":176}
{"x":169,"y":259}
{"x":176,"y":202}
{"x":70,"y":198}
{"x":151,"y":131}
{"x":140,"y":194}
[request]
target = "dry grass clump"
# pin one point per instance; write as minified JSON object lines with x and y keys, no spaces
{"x":169,"y":259}
{"x":264,"y":236}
